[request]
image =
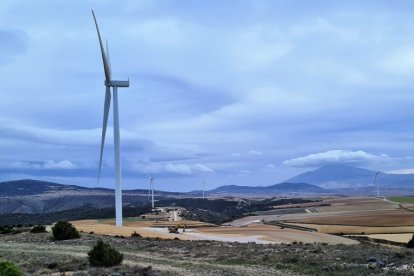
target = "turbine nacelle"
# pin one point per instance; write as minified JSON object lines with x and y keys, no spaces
{"x":117,"y":83}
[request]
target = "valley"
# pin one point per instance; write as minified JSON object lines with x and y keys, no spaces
{"x":276,"y":225}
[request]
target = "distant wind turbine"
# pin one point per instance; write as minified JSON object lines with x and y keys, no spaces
{"x":151,"y":189}
{"x":114,"y":84}
{"x":204,"y":182}
{"x":376,"y":183}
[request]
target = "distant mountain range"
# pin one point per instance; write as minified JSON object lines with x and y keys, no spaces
{"x":330,"y":179}
{"x":341,"y":176}
{"x":277,"y":189}
{"x":32,"y":196}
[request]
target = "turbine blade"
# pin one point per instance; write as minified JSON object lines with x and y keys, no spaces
{"x":108,"y":57}
{"x":107,"y":70}
{"x":104,"y":125}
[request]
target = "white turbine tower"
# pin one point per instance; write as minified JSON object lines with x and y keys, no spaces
{"x":204,"y":182}
{"x":376,"y":183}
{"x":114,"y":84}
{"x":151,"y":190}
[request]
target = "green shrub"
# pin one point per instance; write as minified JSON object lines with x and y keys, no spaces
{"x":64,"y":230}
{"x":103,"y":254}
{"x":38,"y":229}
{"x":9,"y":269}
{"x":410,"y":244}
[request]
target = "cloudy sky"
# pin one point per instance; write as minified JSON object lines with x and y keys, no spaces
{"x":234,"y":92}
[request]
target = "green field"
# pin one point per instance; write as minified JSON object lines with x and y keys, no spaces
{"x":402,"y":199}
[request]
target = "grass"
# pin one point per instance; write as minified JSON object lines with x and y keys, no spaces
{"x":402,"y":199}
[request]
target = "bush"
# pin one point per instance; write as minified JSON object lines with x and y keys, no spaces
{"x":135,"y":234}
{"x":6,"y":230}
{"x":38,"y":229}
{"x":64,"y":230}
{"x":103,"y":254}
{"x":173,"y":229}
{"x":410,"y":244}
{"x":9,"y":269}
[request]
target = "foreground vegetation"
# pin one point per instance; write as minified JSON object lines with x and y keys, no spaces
{"x":39,"y":253}
{"x":9,"y":269}
{"x":402,"y":199}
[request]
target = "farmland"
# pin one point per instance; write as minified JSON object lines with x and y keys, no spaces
{"x":354,"y":216}
{"x":402,"y":199}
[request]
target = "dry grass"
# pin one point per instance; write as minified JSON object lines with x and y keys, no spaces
{"x":40,"y":255}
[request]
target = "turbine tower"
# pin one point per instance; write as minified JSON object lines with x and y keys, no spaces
{"x":114,"y":84}
{"x":376,"y":182}
{"x":152,"y":192}
{"x":151,"y":189}
{"x":204,"y":182}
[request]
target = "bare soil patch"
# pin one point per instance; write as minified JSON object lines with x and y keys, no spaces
{"x":275,"y":234}
{"x":380,"y":218}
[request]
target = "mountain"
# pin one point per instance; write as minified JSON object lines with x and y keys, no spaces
{"x":27,"y":187}
{"x":277,"y":189}
{"x":33,"y":196}
{"x":342,"y":176}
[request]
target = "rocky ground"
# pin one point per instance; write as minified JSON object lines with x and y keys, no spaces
{"x":39,"y":254}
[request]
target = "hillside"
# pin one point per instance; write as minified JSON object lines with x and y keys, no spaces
{"x":33,"y":196}
{"x":277,"y":189}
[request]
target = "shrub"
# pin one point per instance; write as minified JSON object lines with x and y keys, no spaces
{"x":135,"y":234}
{"x":9,"y":269}
{"x":64,"y":230}
{"x":103,"y":254}
{"x":38,"y":229}
{"x":410,"y":243}
{"x":6,"y":230}
{"x":173,"y":229}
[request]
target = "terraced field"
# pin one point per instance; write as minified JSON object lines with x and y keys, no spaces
{"x":355,"y":216}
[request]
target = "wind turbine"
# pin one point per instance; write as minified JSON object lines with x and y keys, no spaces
{"x":204,"y":182}
{"x":114,"y":84}
{"x":151,"y":189}
{"x":376,"y":182}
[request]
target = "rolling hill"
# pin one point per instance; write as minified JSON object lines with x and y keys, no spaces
{"x":33,"y":196}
